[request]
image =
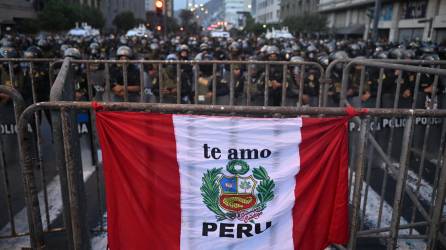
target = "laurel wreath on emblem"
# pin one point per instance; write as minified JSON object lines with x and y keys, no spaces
{"x":212,"y":195}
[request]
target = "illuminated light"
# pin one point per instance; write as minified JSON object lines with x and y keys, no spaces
{"x":159,"y":4}
{"x":158,"y":27}
{"x":264,"y":26}
{"x":181,"y":28}
{"x":206,"y":12}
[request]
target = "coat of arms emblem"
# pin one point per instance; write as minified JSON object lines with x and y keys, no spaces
{"x":240,"y":196}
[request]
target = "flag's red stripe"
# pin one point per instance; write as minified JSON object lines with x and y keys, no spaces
{"x":320,"y":214}
{"x":142,"y":180}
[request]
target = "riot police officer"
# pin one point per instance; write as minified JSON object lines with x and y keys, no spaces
{"x":117,"y":77}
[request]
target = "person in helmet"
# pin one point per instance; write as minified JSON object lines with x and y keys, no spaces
{"x":154,"y":53}
{"x":275,"y":77}
{"x":124,"y":53}
{"x":335,"y":84}
{"x":234,"y":51}
{"x":311,"y":52}
{"x":167,"y":91}
{"x":97,"y":79}
{"x":10,"y":74}
{"x":39,"y":76}
{"x":426,"y":88}
{"x":204,"y":52}
{"x":36,"y":74}
{"x":81,"y":85}
{"x":186,"y":73}
{"x":223,"y":86}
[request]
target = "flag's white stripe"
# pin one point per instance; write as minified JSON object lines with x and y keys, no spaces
{"x":281,"y":136}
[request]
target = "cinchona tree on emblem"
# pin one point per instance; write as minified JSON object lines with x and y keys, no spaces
{"x":238,"y":194}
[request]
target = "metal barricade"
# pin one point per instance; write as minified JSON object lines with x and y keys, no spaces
{"x":29,"y":183}
{"x":409,"y":187}
{"x":358,"y":166}
{"x":214,"y":72}
{"x":385,"y":201}
{"x":31,"y":79}
{"x":338,"y":65}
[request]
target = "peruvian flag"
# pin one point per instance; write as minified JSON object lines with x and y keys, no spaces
{"x":205,"y":182}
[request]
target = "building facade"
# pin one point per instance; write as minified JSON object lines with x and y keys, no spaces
{"x":14,"y":11}
{"x":267,"y":11}
{"x":233,"y":10}
{"x":149,"y":5}
{"x":111,"y":8}
{"x":91,"y":3}
{"x":290,"y":8}
{"x":399,"y":20}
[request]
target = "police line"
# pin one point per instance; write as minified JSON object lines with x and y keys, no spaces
{"x":384,"y":123}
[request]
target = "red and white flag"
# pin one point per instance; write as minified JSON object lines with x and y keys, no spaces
{"x":202,"y":182}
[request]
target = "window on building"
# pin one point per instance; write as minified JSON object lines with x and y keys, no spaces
{"x":414,"y":9}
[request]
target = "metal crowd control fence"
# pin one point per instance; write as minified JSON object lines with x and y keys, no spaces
{"x":399,"y":174}
{"x":433,"y":222}
{"x":338,"y":66}
{"x":398,"y":212}
{"x":28,"y":177}
{"x":24,"y":81}
{"x":16,"y":68}
{"x":215,"y":68}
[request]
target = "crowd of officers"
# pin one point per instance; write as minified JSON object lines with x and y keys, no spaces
{"x":202,"y":48}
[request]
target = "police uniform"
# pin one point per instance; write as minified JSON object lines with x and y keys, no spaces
{"x":117,"y":78}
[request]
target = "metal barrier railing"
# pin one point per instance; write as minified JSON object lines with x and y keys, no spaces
{"x":422,"y":221}
{"x":264,"y":79}
{"x":338,"y":66}
{"x":358,"y":166}
{"x":28,"y":177}
{"x":400,"y":175}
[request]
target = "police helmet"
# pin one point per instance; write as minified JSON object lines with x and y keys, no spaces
{"x":430,"y":57}
{"x":408,"y":54}
{"x":171,"y":57}
{"x":154,"y":46}
{"x":123,"y":40}
{"x":204,"y":46}
{"x":184,"y":47}
{"x":382,"y":55}
{"x":33,"y":52}
{"x":338,"y":55}
{"x":5,"y":42}
{"x":234,"y":47}
{"x":396,"y":53}
{"x":8,"y":52}
{"x":323,"y":60}
{"x":311,"y":48}
{"x":297,"y":59}
{"x":124,"y":51}
{"x":94,"y":46}
{"x":272,"y":50}
{"x":42,"y":43}
{"x":73,"y":53}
